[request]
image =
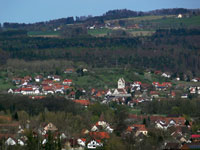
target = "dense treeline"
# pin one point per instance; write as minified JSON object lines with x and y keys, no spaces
{"x":50,"y":25}
{"x":18,"y":103}
{"x":173,"y":107}
{"x":171,"y":50}
{"x":124,"y":13}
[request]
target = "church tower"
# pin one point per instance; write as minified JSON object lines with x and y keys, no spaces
{"x":121,"y":83}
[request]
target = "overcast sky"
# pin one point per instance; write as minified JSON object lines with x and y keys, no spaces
{"x":29,"y":11}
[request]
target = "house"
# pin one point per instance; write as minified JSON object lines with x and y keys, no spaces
{"x":27,"y":91}
{"x":173,"y":94}
{"x":138,"y":128}
{"x":47,"y":82}
{"x":192,"y":90}
{"x":85,"y":70}
{"x":67,"y":82}
{"x":56,"y":78}
{"x":119,"y":92}
{"x":94,"y":144}
{"x":20,"y":142}
{"x":121,"y":83}
{"x":69,"y":70}
{"x":58,"y":88}
{"x":38,"y":78}
{"x":27,"y":78}
{"x":10,"y":141}
{"x":166,"y":75}
{"x":136,"y":86}
{"x":138,"y":94}
{"x":16,"y":81}
{"x":10,"y":91}
{"x":50,"y":127}
{"x":81,"y":142}
{"x":180,"y":16}
{"x":154,"y":94}
{"x":184,"y":96}
{"x":83,"y":102}
{"x":99,"y":135}
{"x":166,"y":122}
{"x":103,"y":125}
{"x":47,"y":90}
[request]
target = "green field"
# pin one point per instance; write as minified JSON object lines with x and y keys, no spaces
{"x":99,"y":32}
{"x":140,"y":19}
{"x":193,"y":21}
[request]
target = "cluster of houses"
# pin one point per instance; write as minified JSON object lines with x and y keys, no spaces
{"x":90,"y":139}
{"x":178,"y":127}
{"x":40,"y":85}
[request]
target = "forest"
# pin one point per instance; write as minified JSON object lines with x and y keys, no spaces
{"x":172,"y":50}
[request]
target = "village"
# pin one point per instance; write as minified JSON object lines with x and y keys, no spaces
{"x":96,"y":136}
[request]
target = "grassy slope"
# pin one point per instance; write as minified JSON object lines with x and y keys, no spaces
{"x":153,"y":23}
{"x":107,"y":78}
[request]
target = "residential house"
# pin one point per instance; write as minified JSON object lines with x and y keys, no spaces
{"x":154,"y":94}
{"x":94,"y":144}
{"x":16,"y":81}
{"x":10,"y":141}
{"x":27,"y":91}
{"x":69,"y":70}
{"x":184,"y":96}
{"x":166,"y":75}
{"x":138,"y":94}
{"x":192,"y":90}
{"x":50,"y":127}
{"x":56,"y":78}
{"x":67,"y":82}
{"x":180,"y":16}
{"x":165,"y":122}
{"x":83,"y":102}
{"x":138,"y":128}
{"x":38,"y":78}
{"x":27,"y":78}
{"x":47,"y":90}
{"x":81,"y":142}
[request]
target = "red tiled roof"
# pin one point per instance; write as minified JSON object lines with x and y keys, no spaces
{"x":138,"y":82}
{"x":83,"y":139}
{"x":47,"y":88}
{"x":83,"y":102}
{"x":99,"y":135}
{"x":69,"y":70}
{"x":153,"y":92}
{"x":58,"y":86}
{"x":66,"y":87}
{"x":27,"y":89}
{"x":173,"y":93}
{"x":195,"y":136}
{"x":140,"y":127}
{"x":68,"y":80}
{"x":47,"y":82}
